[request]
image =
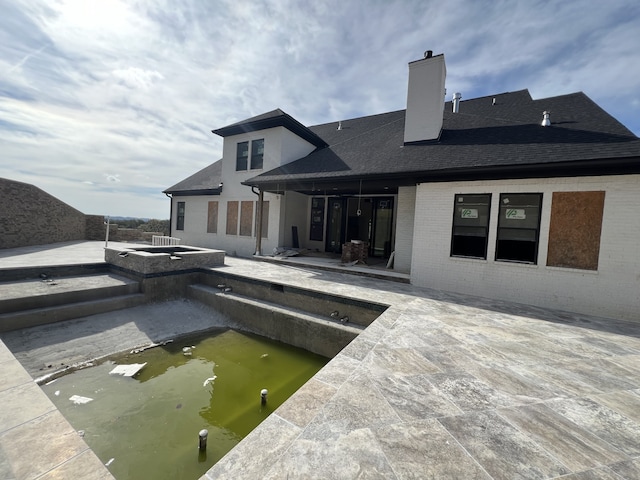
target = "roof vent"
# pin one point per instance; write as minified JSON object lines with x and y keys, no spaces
{"x":428,"y":54}
{"x":339,"y":125}
{"x":456,"y":102}
{"x":546,"y":122}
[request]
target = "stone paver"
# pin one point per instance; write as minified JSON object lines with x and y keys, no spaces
{"x":451,"y":386}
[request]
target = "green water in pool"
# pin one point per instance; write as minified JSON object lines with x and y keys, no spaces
{"x":146,"y":426}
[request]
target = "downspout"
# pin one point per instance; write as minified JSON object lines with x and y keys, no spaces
{"x":170,"y":212}
{"x":260,"y":195}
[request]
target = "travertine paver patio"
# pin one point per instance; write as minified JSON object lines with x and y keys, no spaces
{"x":451,"y":386}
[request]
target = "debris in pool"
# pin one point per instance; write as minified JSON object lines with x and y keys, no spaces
{"x":151,"y":345}
{"x":179,"y":406}
{"x":81,"y":433}
{"x":79,"y":400}
{"x":209,"y":380}
{"x":186,"y":351}
{"x":56,"y":393}
{"x":264,"y":355}
{"x":109,"y":462}
{"x":127,"y":370}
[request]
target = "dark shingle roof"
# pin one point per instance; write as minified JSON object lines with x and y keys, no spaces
{"x":485,"y":140}
{"x":274,"y":118}
{"x":207,"y":181}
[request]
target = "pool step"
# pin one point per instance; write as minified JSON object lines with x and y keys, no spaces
{"x":37,"y":302}
{"x":318,"y":334}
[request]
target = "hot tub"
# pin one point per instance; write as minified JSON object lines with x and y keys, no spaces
{"x":169,"y":258}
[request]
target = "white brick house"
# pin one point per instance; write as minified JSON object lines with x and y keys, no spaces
{"x":478,"y":196}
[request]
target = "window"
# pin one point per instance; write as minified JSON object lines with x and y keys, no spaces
{"x":470,"y":225}
{"x":212,"y":217}
{"x":242,"y":156}
{"x":180,"y":216}
{"x":574,"y":229}
{"x":519,"y":227}
{"x":232,"y":218}
{"x":257,"y":153}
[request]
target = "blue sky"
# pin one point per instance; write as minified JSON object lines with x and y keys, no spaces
{"x":106,"y":103}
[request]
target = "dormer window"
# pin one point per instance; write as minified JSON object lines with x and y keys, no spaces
{"x":242,"y":156}
{"x":257,"y":154}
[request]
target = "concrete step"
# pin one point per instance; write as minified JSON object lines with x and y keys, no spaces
{"x":56,"y":291}
{"x":315,"y":333}
{"x":44,"y":315}
{"x":322,"y":304}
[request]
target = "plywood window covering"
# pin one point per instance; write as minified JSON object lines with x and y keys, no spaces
{"x":246,"y":218}
{"x":212,"y":217}
{"x":574,"y":230}
{"x":265,"y":218}
{"x":232,"y":218}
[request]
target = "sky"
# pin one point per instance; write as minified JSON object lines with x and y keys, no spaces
{"x":106,"y":103}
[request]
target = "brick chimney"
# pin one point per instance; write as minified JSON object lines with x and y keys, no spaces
{"x":425,"y":98}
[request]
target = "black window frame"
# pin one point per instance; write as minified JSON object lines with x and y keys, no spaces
{"x":463,"y":244}
{"x":257,"y":159}
{"x":506,"y":248}
{"x":180,"y":214}
{"x":242,"y":160}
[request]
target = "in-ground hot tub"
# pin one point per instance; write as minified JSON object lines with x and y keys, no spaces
{"x":169,"y":258}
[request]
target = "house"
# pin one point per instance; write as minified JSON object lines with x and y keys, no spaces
{"x":508,"y":197}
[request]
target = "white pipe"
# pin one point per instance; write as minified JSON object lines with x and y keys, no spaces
{"x":106,"y":239}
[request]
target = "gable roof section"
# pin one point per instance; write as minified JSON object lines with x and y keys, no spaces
{"x":484,"y":140}
{"x":207,"y":181}
{"x":274,"y":118}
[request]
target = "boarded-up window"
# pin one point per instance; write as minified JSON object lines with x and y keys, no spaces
{"x":265,"y":218}
{"x":574,"y":230}
{"x":212,"y":217}
{"x":232,"y":218}
{"x":246,"y":218}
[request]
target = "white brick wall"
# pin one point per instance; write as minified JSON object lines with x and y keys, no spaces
{"x":404,"y":228}
{"x":613,"y":290}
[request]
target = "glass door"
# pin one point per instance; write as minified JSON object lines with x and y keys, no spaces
{"x":382,"y":227}
{"x":335,"y":225}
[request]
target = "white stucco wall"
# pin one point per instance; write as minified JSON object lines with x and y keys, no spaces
{"x":425,"y":99}
{"x":296,"y":213}
{"x":195,"y":224}
{"x":611,"y":291}
{"x":280,"y":147}
{"x":405,"y":215}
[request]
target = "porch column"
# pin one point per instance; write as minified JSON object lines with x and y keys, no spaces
{"x":259,"y":223}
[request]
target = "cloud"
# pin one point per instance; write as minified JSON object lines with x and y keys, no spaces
{"x":135,"y":77}
{"x":112,"y":178}
{"x":135,"y":88}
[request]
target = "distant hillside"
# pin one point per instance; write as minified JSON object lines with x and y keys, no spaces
{"x":115,"y":219}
